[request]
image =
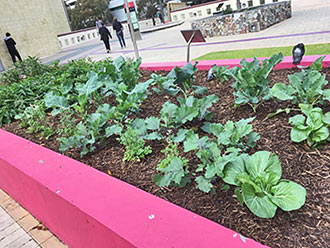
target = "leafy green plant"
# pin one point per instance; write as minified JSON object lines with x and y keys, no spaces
{"x":252,"y":82}
{"x":135,"y":148}
{"x":17,"y":96}
{"x":305,"y":86}
{"x":259,"y":184}
{"x":313,"y":129}
{"x":233,"y":135}
{"x":29,"y":67}
{"x":92,"y":133}
{"x":221,"y":72}
{"x":36,"y":121}
{"x":179,"y":80}
{"x":212,"y":161}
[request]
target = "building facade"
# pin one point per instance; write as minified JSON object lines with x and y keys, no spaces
{"x":117,"y":9}
{"x":34,"y":25}
{"x":208,"y":9}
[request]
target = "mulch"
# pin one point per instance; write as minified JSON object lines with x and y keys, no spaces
{"x":306,"y":227}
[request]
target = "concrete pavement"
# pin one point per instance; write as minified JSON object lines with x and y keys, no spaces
{"x":310,"y":24}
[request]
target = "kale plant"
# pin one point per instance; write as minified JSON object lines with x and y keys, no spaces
{"x":252,"y":82}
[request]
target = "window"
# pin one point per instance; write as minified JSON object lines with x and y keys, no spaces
{"x":262,"y":1}
{"x":250,"y":3}
{"x":72,"y":40}
{"x":191,"y":14}
{"x":89,"y":36}
{"x":175,"y":18}
{"x":183,"y":16}
{"x":60,"y":43}
{"x":66,"y":42}
{"x":199,"y":13}
{"x":274,"y":1}
{"x":93,"y":35}
{"x":208,"y":11}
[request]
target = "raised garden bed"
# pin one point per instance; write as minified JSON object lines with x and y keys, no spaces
{"x":306,"y":227}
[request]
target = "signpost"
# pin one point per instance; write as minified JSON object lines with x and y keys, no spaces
{"x":192,"y":36}
{"x":131,"y":28}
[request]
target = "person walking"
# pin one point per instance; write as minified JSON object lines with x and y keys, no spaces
{"x":119,"y":32}
{"x":11,"y":45}
{"x":98,"y":24}
{"x":105,"y":34}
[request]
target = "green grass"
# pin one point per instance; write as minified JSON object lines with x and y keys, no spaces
{"x":316,"y":49}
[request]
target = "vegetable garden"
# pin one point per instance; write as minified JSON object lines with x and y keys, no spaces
{"x":248,"y":150}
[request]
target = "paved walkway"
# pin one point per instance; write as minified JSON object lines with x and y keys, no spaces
{"x":310,"y":24}
{"x":19,"y":229}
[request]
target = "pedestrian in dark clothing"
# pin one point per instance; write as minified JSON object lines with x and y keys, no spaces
{"x":105,"y":34}
{"x":11,"y":48}
{"x":119,"y":32}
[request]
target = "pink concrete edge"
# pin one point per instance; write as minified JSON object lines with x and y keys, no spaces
{"x":205,"y":65}
{"x":87,"y":208}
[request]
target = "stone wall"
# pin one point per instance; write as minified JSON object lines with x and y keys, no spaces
{"x":244,"y":22}
{"x":34,"y":25}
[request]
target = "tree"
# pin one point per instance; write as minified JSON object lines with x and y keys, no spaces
{"x":147,"y":8}
{"x":85,"y":12}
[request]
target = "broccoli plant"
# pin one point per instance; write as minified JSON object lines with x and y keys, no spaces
{"x":93,"y":132}
{"x":237,"y":135}
{"x":313,"y":129}
{"x":259,"y":185}
{"x":252,"y":82}
{"x":179,"y":80}
{"x":305,"y":86}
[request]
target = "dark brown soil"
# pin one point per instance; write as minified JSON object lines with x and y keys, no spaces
{"x":306,"y":227}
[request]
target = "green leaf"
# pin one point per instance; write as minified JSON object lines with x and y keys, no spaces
{"x":288,"y":195}
{"x":153,"y":136}
{"x":54,"y":101}
{"x":297,"y":120}
{"x":239,"y":195}
{"x":326,"y":118}
{"x":260,"y":205}
{"x":317,"y":64}
{"x":282,"y":91}
{"x":203,"y":184}
{"x":114,"y":129}
{"x":152,"y":123}
{"x":180,"y":136}
{"x":264,"y":162}
{"x":199,"y":89}
{"x":320,"y":134}
{"x":174,"y":172}
{"x":119,"y":62}
{"x":298,"y":135}
{"x":326,"y":94}
{"x":234,"y":169}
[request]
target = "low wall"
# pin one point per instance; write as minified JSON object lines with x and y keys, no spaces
{"x":244,"y":22}
{"x":205,"y":65}
{"x":87,"y":208}
{"x":85,"y":35}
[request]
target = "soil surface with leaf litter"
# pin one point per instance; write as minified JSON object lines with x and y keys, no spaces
{"x":307,"y":227}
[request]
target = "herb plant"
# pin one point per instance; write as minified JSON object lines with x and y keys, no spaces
{"x":135,"y":148}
